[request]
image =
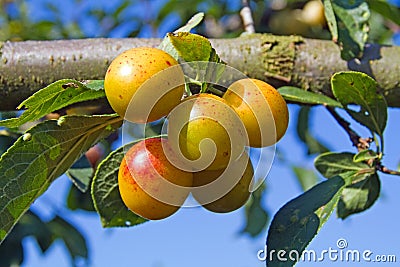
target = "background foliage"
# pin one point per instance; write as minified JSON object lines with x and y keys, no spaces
{"x":45,"y":20}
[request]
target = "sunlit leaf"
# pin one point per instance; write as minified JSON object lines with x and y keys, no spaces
{"x":331,"y":164}
{"x":190,"y":47}
{"x":192,"y":23}
{"x":196,"y":49}
{"x":299,"y":95}
{"x":166,"y":43}
{"x":55,"y":96}
{"x":41,"y":155}
{"x":359,"y":196}
{"x":356,"y":88}
{"x":365,"y":155}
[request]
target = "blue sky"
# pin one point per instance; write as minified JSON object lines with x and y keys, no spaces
{"x":195,"y":237}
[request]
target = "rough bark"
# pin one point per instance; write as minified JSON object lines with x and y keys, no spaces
{"x":28,"y":66}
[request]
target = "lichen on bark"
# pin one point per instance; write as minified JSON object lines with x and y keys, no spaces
{"x":263,"y":56}
{"x":279,"y":54}
{"x":25,"y":67}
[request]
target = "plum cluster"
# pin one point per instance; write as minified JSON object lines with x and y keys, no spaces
{"x":204,"y":153}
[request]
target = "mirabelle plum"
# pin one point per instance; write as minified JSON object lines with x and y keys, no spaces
{"x":207,"y":131}
{"x":261,"y":108}
{"x":148,"y":67}
{"x":218,"y":181}
{"x":313,"y":13}
{"x":149,"y":184}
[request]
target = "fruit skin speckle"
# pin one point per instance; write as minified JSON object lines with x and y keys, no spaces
{"x":262,"y":109}
{"x":207,"y":117}
{"x":131,"y":69}
{"x":140,"y":177}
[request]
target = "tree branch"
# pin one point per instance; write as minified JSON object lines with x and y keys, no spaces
{"x":357,"y":141}
{"x":28,"y":66}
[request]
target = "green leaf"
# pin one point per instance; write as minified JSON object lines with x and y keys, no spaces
{"x":76,"y":199}
{"x":96,"y":85}
{"x":31,"y":225}
{"x":42,"y":27}
{"x":306,"y":177}
{"x":123,"y":6}
{"x":256,"y":215}
{"x":299,"y":95}
{"x":5,"y":142}
{"x":57,"y":95}
{"x":11,"y":250}
{"x":365,"y":155}
{"x":325,"y":211}
{"x":7,"y":114}
{"x":72,"y":237}
{"x":192,"y":23}
{"x":197,"y":51}
{"x":385,"y":9}
{"x":106,"y":197}
{"x":359,"y":89}
{"x":191,"y":47}
{"x":297,"y":222}
{"x":166,"y":43}
{"x":188,"y":47}
{"x":331,"y":19}
{"x":314,"y":146}
{"x":167,"y":46}
{"x":81,"y":173}
{"x":42,"y":154}
{"x":351,"y":27}
{"x":331,"y":164}
{"x":359,"y":196}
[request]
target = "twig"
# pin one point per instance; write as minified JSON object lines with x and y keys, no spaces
{"x":357,"y":141}
{"x":247,"y":18}
{"x":383,"y":169}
